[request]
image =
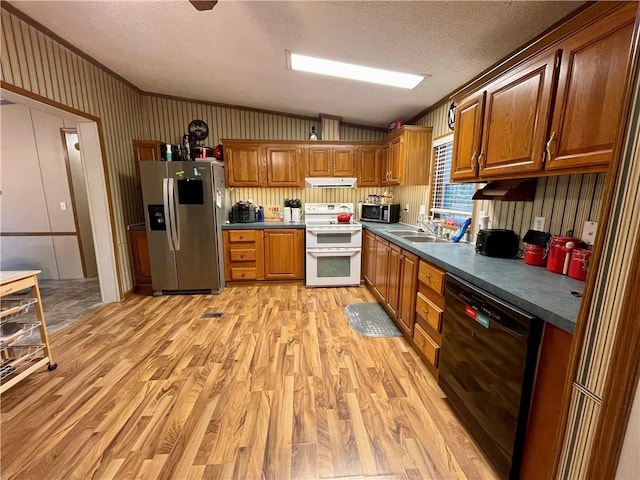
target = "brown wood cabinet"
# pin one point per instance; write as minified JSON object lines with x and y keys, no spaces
{"x":541,"y":443}
{"x":369,"y":257}
{"x":244,"y":255}
{"x":264,"y":254}
{"x":516,"y":119}
{"x":284,"y":166}
{"x":344,"y":162}
{"x":244,"y":165}
{"x":254,"y":163}
{"x":380,"y":285}
{"x":557,"y":112}
{"x":145,"y":151}
{"x":140,"y":260}
{"x":406,"y":156}
{"x":319,"y":162}
{"x":283,"y":254}
{"x":467,"y":138}
{"x":407,"y":291}
{"x":368,"y":166}
{"x":331,"y":161}
{"x":391,"y":272}
{"x":429,"y":314}
{"x":393,"y":279}
{"x":590,"y":94}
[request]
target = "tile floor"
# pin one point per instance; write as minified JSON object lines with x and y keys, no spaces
{"x":65,"y":301}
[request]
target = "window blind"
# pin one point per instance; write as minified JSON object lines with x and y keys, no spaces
{"x":447,"y":198}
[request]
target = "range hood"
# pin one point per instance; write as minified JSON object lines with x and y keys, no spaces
{"x":331,"y":182}
{"x":507,"y":190}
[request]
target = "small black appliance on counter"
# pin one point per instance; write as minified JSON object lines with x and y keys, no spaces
{"x":497,"y":242}
{"x":242,"y":212}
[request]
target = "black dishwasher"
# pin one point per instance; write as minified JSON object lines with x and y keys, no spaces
{"x":487,"y":365}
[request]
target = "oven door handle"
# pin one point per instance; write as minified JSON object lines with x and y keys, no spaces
{"x":331,"y":229}
{"x":331,"y":252}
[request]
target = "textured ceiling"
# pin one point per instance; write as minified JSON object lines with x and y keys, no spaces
{"x":235,"y":53}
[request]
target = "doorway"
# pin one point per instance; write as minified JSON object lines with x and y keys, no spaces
{"x":101,"y":241}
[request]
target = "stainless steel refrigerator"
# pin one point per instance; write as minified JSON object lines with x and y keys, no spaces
{"x":183,"y":204}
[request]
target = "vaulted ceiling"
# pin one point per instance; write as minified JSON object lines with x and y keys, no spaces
{"x":235,"y":53}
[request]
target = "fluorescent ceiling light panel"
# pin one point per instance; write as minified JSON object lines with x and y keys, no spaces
{"x":354,"y":72}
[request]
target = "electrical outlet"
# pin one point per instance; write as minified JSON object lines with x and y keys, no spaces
{"x":589,"y":232}
{"x":423,"y":210}
{"x":538,"y":224}
{"x":406,"y":208}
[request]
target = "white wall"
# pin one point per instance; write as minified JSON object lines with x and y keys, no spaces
{"x":81,"y":203}
{"x":33,"y":180}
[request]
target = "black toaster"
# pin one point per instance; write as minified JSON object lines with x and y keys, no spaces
{"x":497,"y":242}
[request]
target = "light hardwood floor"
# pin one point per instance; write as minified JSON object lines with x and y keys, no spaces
{"x":279,"y":387}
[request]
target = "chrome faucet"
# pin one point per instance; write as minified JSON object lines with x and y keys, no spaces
{"x":431,"y":227}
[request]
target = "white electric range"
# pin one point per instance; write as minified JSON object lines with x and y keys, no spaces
{"x":333,"y":248}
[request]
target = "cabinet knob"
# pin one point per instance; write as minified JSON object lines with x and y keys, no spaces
{"x":473,"y":162}
{"x":427,"y":275}
{"x":242,"y":255}
{"x":551,"y":146}
{"x":480,"y":160}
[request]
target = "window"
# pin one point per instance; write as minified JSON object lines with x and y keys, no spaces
{"x":449,"y":200}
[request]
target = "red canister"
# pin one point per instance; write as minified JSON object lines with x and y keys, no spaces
{"x":534,"y":255}
{"x":558,"y":252}
{"x":579,"y":264}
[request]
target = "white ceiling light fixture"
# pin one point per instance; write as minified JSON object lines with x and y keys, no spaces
{"x":351,"y":71}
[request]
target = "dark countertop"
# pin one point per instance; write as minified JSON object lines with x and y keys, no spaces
{"x":255,"y":225}
{"x":532,"y":289}
{"x":136,"y":226}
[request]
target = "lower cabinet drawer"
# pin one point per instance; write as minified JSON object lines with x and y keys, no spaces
{"x":243,"y":273}
{"x":242,"y":235}
{"x":242,"y":255}
{"x":430,"y":312}
{"x":429,"y":348}
{"x":432,"y":276}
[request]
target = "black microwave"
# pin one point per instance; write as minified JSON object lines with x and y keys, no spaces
{"x":384,"y":213}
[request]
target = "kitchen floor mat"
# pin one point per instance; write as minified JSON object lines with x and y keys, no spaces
{"x":371,"y":320}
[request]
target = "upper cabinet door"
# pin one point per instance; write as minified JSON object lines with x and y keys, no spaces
{"x":244,"y":166}
{"x":386,"y":167}
{"x":516,"y":119}
{"x":395,"y":161}
{"x":283,"y":166}
{"x":319,"y":162}
{"x":145,"y":151}
{"x":344,"y":162}
{"x":467,"y":138}
{"x":590,"y":96}
{"x":368,"y":166}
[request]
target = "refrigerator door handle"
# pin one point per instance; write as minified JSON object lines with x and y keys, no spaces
{"x":174,"y":215}
{"x":167,"y":212}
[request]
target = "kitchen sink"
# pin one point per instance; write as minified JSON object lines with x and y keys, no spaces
{"x":403,"y":232}
{"x":424,"y":239}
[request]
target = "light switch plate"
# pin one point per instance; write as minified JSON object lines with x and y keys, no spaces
{"x":63,"y":206}
{"x":589,"y":232}
{"x":538,"y":224}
